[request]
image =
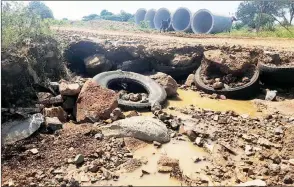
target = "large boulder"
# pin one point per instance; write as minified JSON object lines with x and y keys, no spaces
{"x":140,"y":127}
{"x":95,"y":102}
{"x":167,"y":82}
{"x":96,"y":64}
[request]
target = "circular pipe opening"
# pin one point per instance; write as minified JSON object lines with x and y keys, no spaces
{"x":181,"y":19}
{"x":161,"y":14}
{"x":202,"y":22}
{"x":140,"y":15}
{"x":149,"y":16}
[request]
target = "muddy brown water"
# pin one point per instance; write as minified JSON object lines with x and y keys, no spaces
{"x":182,"y":150}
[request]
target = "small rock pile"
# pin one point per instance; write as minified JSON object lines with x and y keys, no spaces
{"x":135,"y":97}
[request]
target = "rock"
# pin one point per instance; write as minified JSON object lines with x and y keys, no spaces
{"x":140,"y":127}
{"x":199,"y":141}
{"x":20,"y":129}
{"x":155,"y":106}
{"x":94,"y":167}
{"x":48,"y":99}
{"x":256,"y":182}
{"x":218,"y":85}
{"x":54,"y":86}
{"x":279,"y":130}
{"x":99,"y":136}
{"x":116,"y":114}
{"x":132,"y":113}
{"x":59,"y":178}
{"x":217,"y":79}
{"x":197,"y":159}
{"x":144,"y":98}
{"x":69,"y":103}
{"x":213,"y":96}
{"x":248,"y":150}
{"x":190,"y":80}
{"x":215,"y":118}
{"x":107,"y":174}
{"x":125,"y":97}
{"x":79,"y":159}
{"x":191,"y":135}
{"x":156,"y":144}
{"x":69,"y":89}
{"x":96,"y":64}
{"x":291,"y":161}
{"x":264,"y":142}
{"x":270,"y":95}
{"x":274,"y":168}
{"x":53,"y":123}
{"x":245,"y":80}
{"x":222,"y":97}
{"x":34,"y":151}
{"x":95,"y":102}
{"x":288,"y":179}
{"x":135,"y":97}
{"x":166,"y":164}
{"x":56,"y":112}
{"x":168,"y":83}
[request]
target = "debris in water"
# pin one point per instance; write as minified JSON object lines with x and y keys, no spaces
{"x":270,"y":95}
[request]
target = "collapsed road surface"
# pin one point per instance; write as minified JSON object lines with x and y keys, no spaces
{"x":275,"y":43}
{"x":212,"y":140}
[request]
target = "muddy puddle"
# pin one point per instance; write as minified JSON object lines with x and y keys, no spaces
{"x":189,"y":97}
{"x":182,"y":150}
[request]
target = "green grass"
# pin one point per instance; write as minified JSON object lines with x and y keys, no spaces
{"x":279,"y":32}
{"x":18,"y":23}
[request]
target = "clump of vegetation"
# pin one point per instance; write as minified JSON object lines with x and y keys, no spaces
{"x":106,"y":15}
{"x":264,"y":19}
{"x":144,"y":24}
{"x":20,"y":22}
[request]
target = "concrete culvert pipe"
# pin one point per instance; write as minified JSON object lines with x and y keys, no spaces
{"x":149,"y":16}
{"x":140,"y":15}
{"x":161,"y":14}
{"x":204,"y":22}
{"x":181,"y":20}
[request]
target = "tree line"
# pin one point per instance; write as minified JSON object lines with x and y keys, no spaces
{"x":264,"y":14}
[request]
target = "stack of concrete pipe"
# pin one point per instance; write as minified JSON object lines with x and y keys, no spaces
{"x":201,"y":22}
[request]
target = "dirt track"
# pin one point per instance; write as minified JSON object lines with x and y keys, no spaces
{"x":275,"y":43}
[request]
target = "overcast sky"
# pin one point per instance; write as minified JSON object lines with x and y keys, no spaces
{"x":75,"y":10}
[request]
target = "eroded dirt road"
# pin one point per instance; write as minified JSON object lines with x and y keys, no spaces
{"x":275,"y":43}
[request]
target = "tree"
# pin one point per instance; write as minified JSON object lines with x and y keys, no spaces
{"x":246,"y":13}
{"x":125,"y":16}
{"x":90,"y":17}
{"x":40,"y":9}
{"x":105,"y":13}
{"x":258,"y":13}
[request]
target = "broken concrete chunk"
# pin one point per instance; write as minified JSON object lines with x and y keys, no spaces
{"x":270,"y":95}
{"x":20,"y":129}
{"x":140,"y":127}
{"x":69,"y":89}
{"x":53,"y":123}
{"x":190,"y":80}
{"x":56,"y":112}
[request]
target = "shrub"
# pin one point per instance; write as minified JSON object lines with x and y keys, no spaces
{"x":19,"y":23}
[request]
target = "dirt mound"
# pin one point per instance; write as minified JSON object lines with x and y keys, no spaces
{"x":228,"y":67}
{"x":54,"y":152}
{"x":27,"y":64}
{"x":274,"y":58}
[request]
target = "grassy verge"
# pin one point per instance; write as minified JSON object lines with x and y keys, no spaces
{"x":18,"y":23}
{"x":279,"y":32}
